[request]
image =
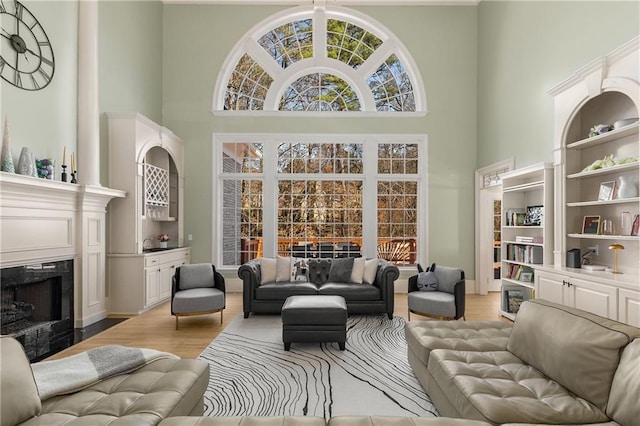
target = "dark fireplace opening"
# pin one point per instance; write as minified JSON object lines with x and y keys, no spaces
{"x":37,"y":307}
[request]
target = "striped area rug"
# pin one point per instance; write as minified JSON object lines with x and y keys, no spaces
{"x":252,"y":374}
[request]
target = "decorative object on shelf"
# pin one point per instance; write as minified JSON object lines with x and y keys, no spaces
{"x":45,"y":168}
{"x":64,"y":173}
{"x":607,"y":227}
{"x":635,"y":226}
{"x":26,"y":163}
{"x":591,"y":225}
{"x":625,"y":223}
{"x":623,"y":123}
{"x":599,"y":129}
{"x":609,"y":161}
{"x":615,"y":248}
{"x":73,"y":177}
{"x":7,"y":156}
{"x":626,"y":187}
{"x":164,"y":239}
{"x":534,"y":216}
{"x":607,"y":191}
{"x":29,"y":45}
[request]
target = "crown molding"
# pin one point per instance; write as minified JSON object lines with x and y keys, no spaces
{"x":330,"y":2}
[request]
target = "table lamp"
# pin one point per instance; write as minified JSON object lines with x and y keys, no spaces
{"x":615,"y":248}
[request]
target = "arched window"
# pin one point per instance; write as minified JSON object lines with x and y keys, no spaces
{"x":322,"y":59}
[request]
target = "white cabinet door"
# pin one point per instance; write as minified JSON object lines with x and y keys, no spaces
{"x":594,"y":297}
{"x":166,"y":275}
{"x":152,"y":282}
{"x":629,"y":307}
{"x":551,"y":287}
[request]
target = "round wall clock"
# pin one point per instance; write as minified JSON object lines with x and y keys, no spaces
{"x":26,"y":56}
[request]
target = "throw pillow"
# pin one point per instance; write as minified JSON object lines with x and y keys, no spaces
{"x":300,"y":270}
{"x":340,"y":271}
{"x":370,"y":271}
{"x":283,"y":269}
{"x":268,"y":269}
{"x":358,"y":270}
{"x":427,"y":281}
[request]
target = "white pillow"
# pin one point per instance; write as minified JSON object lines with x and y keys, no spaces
{"x":267,"y":270}
{"x":284,"y":268}
{"x":370,"y":270}
{"x":358,"y":270}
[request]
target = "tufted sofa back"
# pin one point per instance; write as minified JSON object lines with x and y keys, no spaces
{"x":319,"y":270}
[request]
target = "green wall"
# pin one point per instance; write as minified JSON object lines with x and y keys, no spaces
{"x":525,"y":49}
{"x":45,"y":120}
{"x":486,"y":70}
{"x":442,"y":40}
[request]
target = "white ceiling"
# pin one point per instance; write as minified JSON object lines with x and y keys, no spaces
{"x":332,"y":2}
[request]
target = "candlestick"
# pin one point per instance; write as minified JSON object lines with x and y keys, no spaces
{"x":73,"y":177}
{"x":64,"y":172}
{"x":64,"y":155}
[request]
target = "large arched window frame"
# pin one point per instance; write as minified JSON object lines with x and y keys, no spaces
{"x":356,"y":77}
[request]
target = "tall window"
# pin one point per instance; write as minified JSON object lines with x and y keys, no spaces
{"x":331,"y":198}
{"x":319,"y":59}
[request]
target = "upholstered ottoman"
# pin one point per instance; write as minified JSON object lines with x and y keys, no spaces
{"x":314,"y":319}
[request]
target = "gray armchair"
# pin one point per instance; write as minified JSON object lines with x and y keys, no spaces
{"x":197,"y":289}
{"x":447,"y":302}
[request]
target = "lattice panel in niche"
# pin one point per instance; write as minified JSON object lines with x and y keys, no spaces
{"x":156,"y":185}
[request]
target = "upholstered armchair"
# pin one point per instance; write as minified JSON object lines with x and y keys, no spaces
{"x":446,"y":302}
{"x":196,"y":290}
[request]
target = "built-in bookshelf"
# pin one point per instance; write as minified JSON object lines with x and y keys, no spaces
{"x":527,"y":232}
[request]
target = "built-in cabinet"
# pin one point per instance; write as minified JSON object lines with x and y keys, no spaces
{"x":145,"y":160}
{"x":527,"y":232}
{"x":139,"y":282}
{"x":597,"y":148}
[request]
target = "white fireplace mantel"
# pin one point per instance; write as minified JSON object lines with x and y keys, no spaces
{"x":45,"y":221}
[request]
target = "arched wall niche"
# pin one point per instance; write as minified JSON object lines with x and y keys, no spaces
{"x":606,"y":108}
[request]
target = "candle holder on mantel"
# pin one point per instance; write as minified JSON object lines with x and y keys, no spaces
{"x":64,"y":173}
{"x":73,"y":176}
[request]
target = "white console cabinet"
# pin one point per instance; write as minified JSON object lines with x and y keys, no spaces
{"x":153,"y":270}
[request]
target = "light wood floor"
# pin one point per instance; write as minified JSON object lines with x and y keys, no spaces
{"x":155,"y":329}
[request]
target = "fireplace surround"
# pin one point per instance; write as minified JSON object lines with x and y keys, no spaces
{"x":37,"y":306}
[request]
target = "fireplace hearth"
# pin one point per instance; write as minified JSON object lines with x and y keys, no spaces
{"x":37,"y":306}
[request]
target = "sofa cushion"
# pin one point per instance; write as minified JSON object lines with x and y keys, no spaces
{"x":160,"y":389}
{"x":350,"y":291}
{"x":357,"y":273}
{"x":17,"y":386}
{"x":340,"y":270}
{"x":447,"y":278}
{"x":245,"y":421}
{"x":401,"y":421}
{"x":268,"y":270}
{"x":582,"y":355}
{"x":623,"y":406}
{"x":280,"y":291}
{"x":436,"y":303}
{"x":196,"y":276}
{"x":424,"y":336}
{"x":499,"y":387}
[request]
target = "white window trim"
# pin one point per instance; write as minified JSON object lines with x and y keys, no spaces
{"x":270,"y":142}
{"x":284,"y":77}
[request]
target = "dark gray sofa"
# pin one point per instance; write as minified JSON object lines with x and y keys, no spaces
{"x":268,"y":298}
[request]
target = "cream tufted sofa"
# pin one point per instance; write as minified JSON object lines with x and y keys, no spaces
{"x":557,"y":365}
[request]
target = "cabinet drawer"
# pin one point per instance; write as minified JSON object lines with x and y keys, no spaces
{"x":152,"y":260}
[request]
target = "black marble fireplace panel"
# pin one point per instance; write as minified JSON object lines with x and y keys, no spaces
{"x":37,"y":306}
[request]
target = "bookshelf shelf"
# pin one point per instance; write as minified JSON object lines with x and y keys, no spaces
{"x":525,"y":247}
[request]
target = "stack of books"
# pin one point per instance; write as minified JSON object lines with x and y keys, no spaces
{"x":523,"y":239}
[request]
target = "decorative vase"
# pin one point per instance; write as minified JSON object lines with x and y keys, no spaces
{"x":26,"y":163}
{"x":626,"y":187}
{"x":6,"y":158}
{"x":163,"y":244}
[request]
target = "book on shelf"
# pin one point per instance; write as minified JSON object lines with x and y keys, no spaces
{"x":526,"y":239}
{"x":515,"y":217}
{"x":512,"y":300}
{"x":525,"y":254}
{"x":520,"y":273}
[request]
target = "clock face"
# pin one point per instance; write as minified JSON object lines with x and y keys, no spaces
{"x":26,"y":56}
